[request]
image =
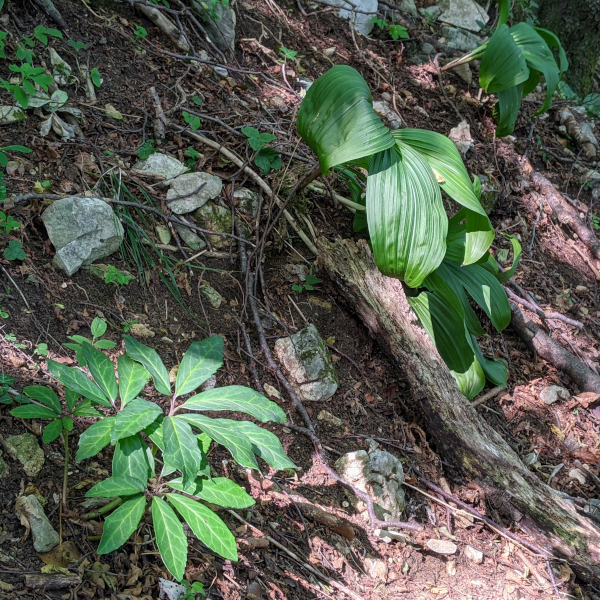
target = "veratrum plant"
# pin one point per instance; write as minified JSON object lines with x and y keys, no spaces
{"x":513,"y":62}
{"x":141,"y":432}
{"x":411,"y":236}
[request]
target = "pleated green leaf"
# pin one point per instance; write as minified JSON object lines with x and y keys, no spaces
{"x":502,"y":277}
{"x":506,"y":110}
{"x":170,"y":538}
{"x":120,"y":525}
{"x":503,"y":65}
{"x":336,"y":119}
{"x":503,"y":12}
{"x":407,"y":221}
{"x":552,"y":40}
{"x":200,"y":362}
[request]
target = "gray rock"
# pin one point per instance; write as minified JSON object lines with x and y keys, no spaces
{"x":4,"y":470}
{"x":405,"y":6}
{"x":82,"y":230}
{"x":552,"y":393}
{"x":474,"y":555}
{"x":198,"y":189}
{"x":26,"y":450}
{"x":463,"y":14}
{"x":461,"y":136}
{"x":247,"y":201}
{"x":190,"y":237}
{"x":388,"y":114}
{"x":44,"y":535}
{"x":378,"y":473}
{"x":427,"y":49}
{"x":161,"y":166}
{"x":460,"y":40}
{"x":212,"y":296}
{"x":442,"y":546}
{"x":464,"y":72}
{"x":221,"y":71}
{"x":219,"y":23}
{"x":433,"y":11}
{"x":215,"y":218}
{"x":305,"y":358}
{"x":363,"y":23}
{"x":588,"y":131}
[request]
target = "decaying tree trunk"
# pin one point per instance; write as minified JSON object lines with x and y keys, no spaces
{"x":461,"y":436}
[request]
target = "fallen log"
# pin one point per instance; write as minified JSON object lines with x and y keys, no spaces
{"x":461,"y":436}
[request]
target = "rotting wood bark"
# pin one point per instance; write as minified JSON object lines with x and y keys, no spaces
{"x":51,"y":581}
{"x":461,"y":436}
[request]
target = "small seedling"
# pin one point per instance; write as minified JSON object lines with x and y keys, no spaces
{"x":98,"y":329}
{"x":3,"y":314}
{"x":77,"y":45}
{"x":146,"y":150}
{"x":287,"y":54}
{"x":11,"y":337}
{"x":41,"y":350}
{"x":256,"y":139}
{"x":5,"y":383}
{"x":596,"y":222}
{"x":192,"y":589}
{"x":113,"y":275}
{"x":311,"y":281}
{"x":41,"y":33}
{"x":96,"y":77}
{"x":8,"y":223}
{"x":14,"y":251}
{"x":127,"y":325}
{"x":139,"y":32}
{"x":197,"y":100}
{"x":266,"y":158}
{"x":191,"y":156}
{"x":192,"y":120}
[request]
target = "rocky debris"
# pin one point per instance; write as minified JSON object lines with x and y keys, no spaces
{"x":326,"y":416}
{"x":25,"y":449}
{"x":211,"y":295}
{"x":576,"y":131}
{"x":377,"y":569}
{"x":171,"y":589}
{"x":378,"y":473}
{"x":219,"y":21}
{"x":4,"y":470}
{"x":388,"y":536}
{"x":463,"y":13}
{"x":306,"y":360}
{"x":431,"y":12}
{"x":442,"y":546}
{"x":82,"y":229}
{"x":141,"y":330}
{"x":11,"y":114}
{"x":363,"y":21}
{"x":461,"y":136}
{"x":246,"y":201}
{"x":460,"y":40}
{"x":464,"y":72}
{"x":552,"y":393}
{"x":196,"y":188}
{"x":164,"y":234}
{"x":190,"y":237}
{"x":405,"y":6}
{"x":32,"y":515}
{"x":388,"y":114}
{"x":215,"y":218}
{"x":474,"y":555}
{"x":161,"y":166}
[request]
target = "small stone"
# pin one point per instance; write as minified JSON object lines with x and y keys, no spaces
{"x":363,"y":20}
{"x":553,"y":393}
{"x":386,"y":96}
{"x":329,"y":52}
{"x":271,"y":391}
{"x":383,"y":109}
{"x":578,"y":474}
{"x":406,"y":6}
{"x":141,"y":330}
{"x":198,"y":189}
{"x":377,"y":569}
{"x":320,"y":302}
{"x":442,"y":546}
{"x":212,"y":296}
{"x":326,"y":416}
{"x":431,"y":12}
{"x":474,"y":555}
{"x":164,"y":234}
{"x":161,"y":166}
{"x":451,"y":568}
{"x":460,"y":40}
{"x":214,"y":217}
{"x":45,"y":537}
{"x":26,"y":450}
{"x":247,"y":201}
{"x":464,"y":72}
{"x":582,"y":289}
{"x":461,"y":136}
{"x":463,"y":13}
{"x":190,"y":237}
{"x":388,"y":536}
{"x":221,"y":71}
{"x":171,"y":589}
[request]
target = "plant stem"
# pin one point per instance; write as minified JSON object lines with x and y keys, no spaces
{"x":473,"y":55}
{"x":66,"y":473}
{"x":104,"y":509}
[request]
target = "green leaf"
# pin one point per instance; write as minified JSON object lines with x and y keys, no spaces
{"x":95,"y":438}
{"x":116,"y":486}
{"x":407,"y":221}
{"x":503,"y":65}
{"x":218,"y":490}
{"x":337,"y":120}
{"x":502,"y":277}
{"x":479,"y":235}
{"x":155,"y":432}
{"x":206,"y":525}
{"x":267,"y":159}
{"x":86,"y":409}
{"x":52,"y":431}
{"x":45,"y":396}
{"x":137,"y":415}
{"x":98,"y":327}
{"x":104,"y":344}
{"x":67,"y":423}
{"x":33,"y":411}
{"x":265,"y":444}
{"x":120,"y":525}
{"x":151,"y":360}
{"x":102,"y":370}
{"x":20,"y":95}
{"x":17,"y":148}
{"x":503,"y":12}
{"x":552,"y":40}
{"x":130,"y":459}
{"x":199,"y":363}
{"x":132,"y":378}
{"x":225,"y":432}
{"x":494,"y":370}
{"x":506,"y":110}
{"x":170,"y":538}
{"x":239,"y":399}
{"x":181,"y":448}
{"x":448,"y":332}
{"x":96,"y":77}
{"x":76,"y":380}
{"x":256,"y":139}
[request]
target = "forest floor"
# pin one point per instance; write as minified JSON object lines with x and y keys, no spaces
{"x":45,"y":306}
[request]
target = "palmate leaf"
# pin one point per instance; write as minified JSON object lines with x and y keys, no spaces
{"x":151,"y":360}
{"x":33,"y":411}
{"x":336,"y":119}
{"x":95,"y":438}
{"x":206,"y":525}
{"x":76,"y":380}
{"x":116,"y":486}
{"x":45,"y":396}
{"x":170,"y":538}
{"x":218,"y":490}
{"x":137,"y":415}
{"x":237,"y":398}
{"x":132,"y":458}
{"x":407,"y":222}
{"x":119,"y":526}
{"x":200,"y":362}
{"x":181,"y":448}
{"x":52,"y":431}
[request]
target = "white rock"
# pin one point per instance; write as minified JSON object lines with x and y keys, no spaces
{"x":442,"y":546}
{"x":171,"y":590}
{"x":388,"y":114}
{"x":161,"y":166}
{"x":463,"y":14}
{"x":474,"y":555}
{"x":363,"y":21}
{"x":461,"y":136}
{"x":552,"y":393}
{"x":377,"y":569}
{"x":326,"y":416}
{"x":211,"y":295}
{"x":25,"y":449}
{"x":406,"y":6}
{"x":198,"y":189}
{"x":44,"y":535}
{"x":388,"y":536}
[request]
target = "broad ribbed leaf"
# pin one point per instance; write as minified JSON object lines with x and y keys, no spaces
{"x":237,"y":398}
{"x":448,"y":332}
{"x":137,"y":415}
{"x":131,"y":459}
{"x":33,"y":411}
{"x":226,"y":433}
{"x":506,"y":110}
{"x":503,"y":65}
{"x":336,"y":119}
{"x":506,"y":275}
{"x":102,"y":370}
{"x":95,"y":438}
{"x":52,"y":431}
{"x":266,"y":445}
{"x":552,"y":40}
{"x":116,"y":486}
{"x":218,"y":490}
{"x":151,"y":360}
{"x":45,"y":396}
{"x":76,"y":380}
{"x":206,"y":525}
{"x":407,"y":222}
{"x":503,"y":12}
{"x":181,"y":448}
{"x":442,"y":156}
{"x":132,"y":378}
{"x":468,"y":242}
{"x":86,"y":409}
{"x":121,"y":524}
{"x":494,"y":370}
{"x":200,"y":362}
{"x":170,"y":538}
{"x":71,"y":397}
{"x":155,"y":432}
{"x":538,"y":56}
